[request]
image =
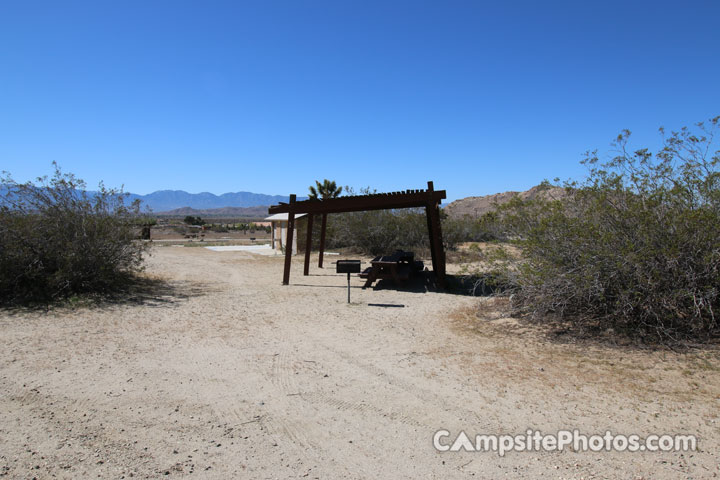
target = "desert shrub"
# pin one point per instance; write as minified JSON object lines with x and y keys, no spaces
{"x":191,"y":220}
{"x":493,"y":268}
{"x":376,"y":232}
{"x":634,"y":248}
{"x":485,"y":228}
{"x":383,"y":231}
{"x":458,"y":230}
{"x":218,"y":228}
{"x":57,"y":240}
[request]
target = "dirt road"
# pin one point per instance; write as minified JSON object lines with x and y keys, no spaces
{"x":225,"y":373}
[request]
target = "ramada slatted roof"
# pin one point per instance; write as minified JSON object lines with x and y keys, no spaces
{"x":377,"y":201}
{"x":430,"y":199}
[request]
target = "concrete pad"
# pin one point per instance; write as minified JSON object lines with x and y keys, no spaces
{"x":259,"y":249}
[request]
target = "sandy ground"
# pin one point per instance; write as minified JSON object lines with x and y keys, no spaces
{"x":225,"y":373}
{"x":170,"y":234}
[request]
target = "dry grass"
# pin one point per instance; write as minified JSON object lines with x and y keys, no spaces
{"x":532,"y":352}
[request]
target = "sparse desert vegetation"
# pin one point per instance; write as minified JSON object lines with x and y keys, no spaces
{"x":57,"y":240}
{"x":212,"y":367}
{"x":337,"y":250}
{"x":633,"y":248}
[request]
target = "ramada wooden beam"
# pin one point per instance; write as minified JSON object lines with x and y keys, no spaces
{"x":357,"y":203}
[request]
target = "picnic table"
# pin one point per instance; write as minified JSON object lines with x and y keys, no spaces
{"x":397,"y":267}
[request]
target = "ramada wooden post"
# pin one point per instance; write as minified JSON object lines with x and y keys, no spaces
{"x":439,"y":252}
{"x":308,"y":244}
{"x":323,"y":225}
{"x":289,"y":241}
{"x":432,"y":212}
{"x":431,"y":235}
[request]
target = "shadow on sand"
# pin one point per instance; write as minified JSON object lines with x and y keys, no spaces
{"x":137,"y":291}
{"x":423,"y":282}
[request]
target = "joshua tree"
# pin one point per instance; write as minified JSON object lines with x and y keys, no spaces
{"x":326,"y":189}
{"x":322,"y":191}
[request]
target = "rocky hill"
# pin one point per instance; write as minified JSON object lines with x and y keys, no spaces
{"x":478,"y":206}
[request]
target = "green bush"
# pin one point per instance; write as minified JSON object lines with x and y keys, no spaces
{"x":634,"y":248}
{"x":384,"y":231}
{"x":190,"y":220}
{"x":218,"y":228}
{"x":377,"y":232}
{"x":57,"y":240}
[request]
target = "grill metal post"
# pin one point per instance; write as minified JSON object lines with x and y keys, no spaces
{"x":347,"y":266}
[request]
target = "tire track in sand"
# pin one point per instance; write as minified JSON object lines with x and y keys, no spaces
{"x":440,"y":403}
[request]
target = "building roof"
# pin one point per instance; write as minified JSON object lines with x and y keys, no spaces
{"x":282,"y":217}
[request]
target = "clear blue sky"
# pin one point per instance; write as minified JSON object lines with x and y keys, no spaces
{"x":267,"y":96}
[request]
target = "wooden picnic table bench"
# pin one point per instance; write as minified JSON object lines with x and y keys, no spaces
{"x":397,"y":267}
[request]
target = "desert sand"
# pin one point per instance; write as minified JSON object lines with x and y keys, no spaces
{"x":224,"y":373}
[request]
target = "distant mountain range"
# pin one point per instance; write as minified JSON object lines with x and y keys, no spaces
{"x":163,"y":201}
{"x":248,"y":204}
{"x":245,"y":204}
{"x":166,"y":200}
{"x":260,"y":211}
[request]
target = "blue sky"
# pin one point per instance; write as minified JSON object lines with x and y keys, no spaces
{"x":267,"y":96}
